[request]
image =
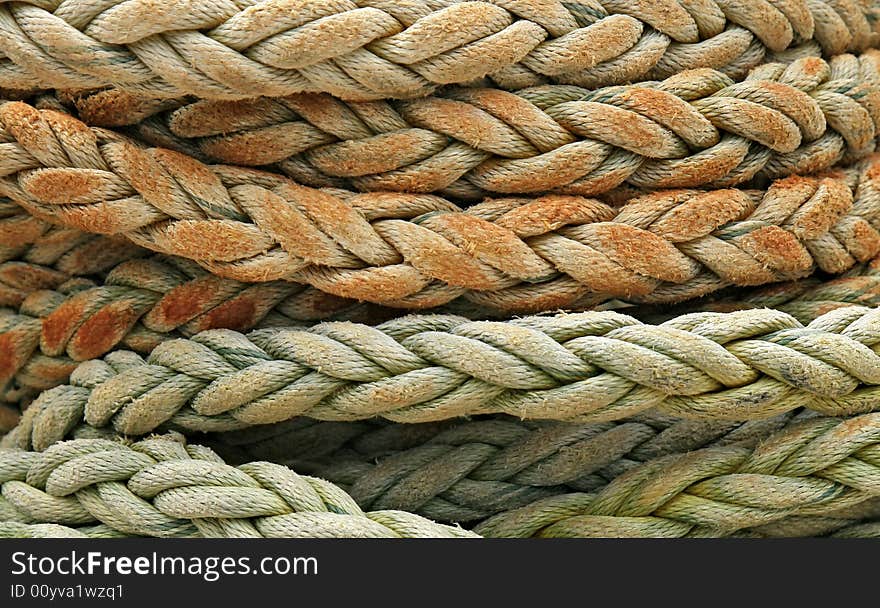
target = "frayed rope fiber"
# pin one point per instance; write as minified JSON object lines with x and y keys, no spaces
{"x":176,"y":175}
{"x":584,"y":367}
{"x":376,"y":49}
{"x":161,"y":487}
{"x":697,"y":128}
{"x":411,"y":250}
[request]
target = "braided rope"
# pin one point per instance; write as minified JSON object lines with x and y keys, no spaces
{"x":159,"y":487}
{"x":856,"y":521}
{"x":142,"y":303}
{"x":375,"y":49}
{"x":585,"y":367}
{"x":35,"y":255}
{"x":809,"y":468}
{"x":145,"y":302}
{"x":697,"y":128}
{"x":412,"y":250}
{"x":469,"y":471}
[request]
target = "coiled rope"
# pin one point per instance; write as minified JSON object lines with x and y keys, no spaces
{"x":415,"y":250}
{"x":469,"y":471}
{"x":585,"y":367}
{"x":376,"y":49}
{"x":160,"y":487}
{"x":36,"y":255}
{"x":697,"y":128}
{"x":808,"y":468}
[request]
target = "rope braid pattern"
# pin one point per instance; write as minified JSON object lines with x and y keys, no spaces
{"x":416,"y":250}
{"x":585,"y":367}
{"x":466,"y":472}
{"x":811,"y":467}
{"x":159,"y":487}
{"x":35,"y":255}
{"x":805,"y":299}
{"x":142,"y":303}
{"x":697,"y":128}
{"x":375,"y":49}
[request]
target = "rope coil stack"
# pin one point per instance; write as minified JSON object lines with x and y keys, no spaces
{"x":502,"y":268}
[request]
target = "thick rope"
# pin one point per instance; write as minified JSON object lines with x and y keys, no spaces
{"x":161,"y":488}
{"x":809,"y":468}
{"x":35,"y":255}
{"x":585,"y":367}
{"x":466,"y":471}
{"x":469,"y":471}
{"x":856,"y":521}
{"x":375,"y":49}
{"x":411,"y":250}
{"x":142,"y":303}
{"x":697,"y":128}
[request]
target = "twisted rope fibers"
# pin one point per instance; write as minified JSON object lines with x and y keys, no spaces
{"x":411,"y":250}
{"x":808,"y":468}
{"x":461,"y":472}
{"x":159,"y":487}
{"x":586,"y":367}
{"x":820,"y":465}
{"x":697,"y":128}
{"x":805,"y":299}
{"x":376,"y":49}
{"x":35,"y":255}
{"x":803,"y":115}
{"x":144,"y":302}
{"x":468,"y":471}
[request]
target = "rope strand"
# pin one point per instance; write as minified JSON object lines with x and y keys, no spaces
{"x":371,"y":50}
{"x":161,"y":487}
{"x":585,"y":367}
{"x":417,"y":251}
{"x":811,"y":467}
{"x":697,"y":128}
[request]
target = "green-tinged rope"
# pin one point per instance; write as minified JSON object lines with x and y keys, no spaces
{"x":161,"y":487}
{"x":584,"y":367}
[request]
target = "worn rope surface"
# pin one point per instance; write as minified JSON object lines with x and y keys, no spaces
{"x":375,"y":49}
{"x":145,"y":302}
{"x":142,"y":303}
{"x":586,"y":367}
{"x":469,"y":471}
{"x":411,"y":250}
{"x":36,"y":255}
{"x":808,"y":468}
{"x":697,"y":128}
{"x":159,"y":487}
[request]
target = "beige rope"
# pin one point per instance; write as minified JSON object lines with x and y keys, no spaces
{"x":36,"y":255}
{"x":374,"y":49}
{"x":584,"y":367}
{"x":410,"y":250}
{"x":697,"y":128}
{"x":160,"y":487}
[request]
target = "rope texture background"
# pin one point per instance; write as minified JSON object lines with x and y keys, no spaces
{"x":469,"y":471}
{"x":586,"y":367}
{"x":159,"y":487}
{"x":144,"y":302}
{"x":411,"y":250}
{"x":807,"y":468}
{"x":372,"y":49}
{"x":213,"y":184}
{"x":465,"y":471}
{"x":698,"y":128}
